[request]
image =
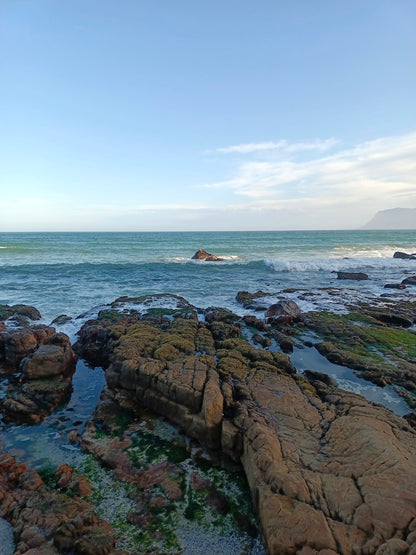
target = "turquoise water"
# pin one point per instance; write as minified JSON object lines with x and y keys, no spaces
{"x":71,"y":272}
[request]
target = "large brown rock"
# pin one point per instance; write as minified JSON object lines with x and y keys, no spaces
{"x":46,"y":521}
{"x":283,"y":308}
{"x":44,"y":362}
{"x":53,"y":357}
{"x":329,"y":472}
{"x":203,"y":255}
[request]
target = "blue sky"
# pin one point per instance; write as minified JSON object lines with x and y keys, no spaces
{"x":205,"y":114}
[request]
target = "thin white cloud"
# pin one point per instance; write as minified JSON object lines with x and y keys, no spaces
{"x":378,"y":170}
{"x":283,"y":146}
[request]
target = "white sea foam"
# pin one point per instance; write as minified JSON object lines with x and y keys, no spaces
{"x":336,"y":264}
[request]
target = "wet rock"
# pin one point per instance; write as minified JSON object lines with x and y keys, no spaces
{"x":404,"y":255}
{"x":46,"y":521}
{"x":286,"y":343}
{"x":30,"y":312}
{"x":254,"y":322}
{"x":251,"y":300}
{"x":61,"y":320}
{"x":391,"y":319}
{"x":357,"y":276}
{"x":53,"y":357}
{"x":43,"y":362}
{"x":203,"y":255}
{"x":395,"y":286}
{"x":409,"y":281}
{"x":379,"y":353}
{"x":283,"y":312}
{"x":259,"y":339}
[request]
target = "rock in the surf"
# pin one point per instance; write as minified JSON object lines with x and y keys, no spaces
{"x":409,"y":281}
{"x":41,"y":363}
{"x":404,"y":255}
{"x":203,"y":255}
{"x":358,"y":276}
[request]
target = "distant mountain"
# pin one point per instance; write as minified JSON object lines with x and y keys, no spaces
{"x":394,"y":218}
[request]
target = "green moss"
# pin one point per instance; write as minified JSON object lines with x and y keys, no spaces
{"x":47,"y":473}
{"x":381,"y":353}
{"x":147,"y":448}
{"x":111,"y":315}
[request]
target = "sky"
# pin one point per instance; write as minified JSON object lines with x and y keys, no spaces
{"x":158,"y":115}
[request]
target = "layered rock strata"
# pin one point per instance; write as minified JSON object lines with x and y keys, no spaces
{"x":39,"y":364}
{"x":329,"y":472}
{"x":47,"y":521}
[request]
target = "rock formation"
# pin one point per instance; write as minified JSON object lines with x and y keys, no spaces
{"x":329,"y":472}
{"x":203,"y":255}
{"x":357,"y":276}
{"x":404,"y":255}
{"x":409,"y":281}
{"x":46,"y":521}
{"x":40,"y":363}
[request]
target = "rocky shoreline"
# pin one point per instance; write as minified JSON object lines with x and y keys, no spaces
{"x":327,"y":470}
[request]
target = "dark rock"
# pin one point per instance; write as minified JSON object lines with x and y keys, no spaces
{"x":283,"y":308}
{"x":319,"y":377}
{"x":203,"y":255}
{"x":409,"y":281}
{"x":251,"y":300}
{"x":391,"y":319}
{"x":404,"y":255}
{"x":358,"y":276}
{"x":62,"y":319}
{"x":254,"y":322}
{"x":30,"y":312}
{"x":286,"y":343}
{"x":259,"y":339}
{"x":394,"y":286}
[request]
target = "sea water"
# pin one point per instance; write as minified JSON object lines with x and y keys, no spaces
{"x":68,"y":273}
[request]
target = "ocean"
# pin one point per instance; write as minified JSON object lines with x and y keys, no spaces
{"x":77,"y":273}
{"x":69,"y":273}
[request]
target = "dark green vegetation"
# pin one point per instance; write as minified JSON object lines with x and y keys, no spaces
{"x":379,"y":352}
{"x":171,"y":483}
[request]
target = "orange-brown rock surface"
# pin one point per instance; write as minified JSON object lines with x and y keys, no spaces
{"x":46,"y":521}
{"x":41,"y":363}
{"x":329,"y":472}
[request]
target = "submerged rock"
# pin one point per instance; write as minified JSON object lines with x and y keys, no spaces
{"x":203,"y":255}
{"x":357,"y":276}
{"x":409,"y":281}
{"x":404,"y":255}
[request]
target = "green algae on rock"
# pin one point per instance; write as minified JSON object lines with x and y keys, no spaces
{"x":380,"y":353}
{"x":317,"y":459}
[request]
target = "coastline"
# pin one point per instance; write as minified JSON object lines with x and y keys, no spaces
{"x":260,"y":332}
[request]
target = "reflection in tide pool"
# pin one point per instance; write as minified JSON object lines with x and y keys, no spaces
{"x":308,"y":358}
{"x":46,"y":444}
